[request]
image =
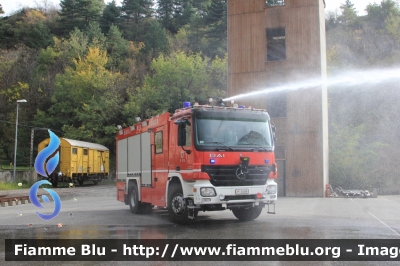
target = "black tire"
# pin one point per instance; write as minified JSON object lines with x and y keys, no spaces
{"x":177,"y":205}
{"x":247,"y":214}
{"x":80,"y":181}
{"x":133,"y":199}
{"x":95,"y":182}
{"x":53,"y":180}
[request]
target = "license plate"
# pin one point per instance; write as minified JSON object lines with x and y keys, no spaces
{"x":241,"y":191}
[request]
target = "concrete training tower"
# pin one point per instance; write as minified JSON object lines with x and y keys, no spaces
{"x":275,"y":42}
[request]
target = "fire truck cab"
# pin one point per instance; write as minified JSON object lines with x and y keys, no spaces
{"x":202,"y":158}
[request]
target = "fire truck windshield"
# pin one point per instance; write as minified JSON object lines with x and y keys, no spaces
{"x":232,"y":133}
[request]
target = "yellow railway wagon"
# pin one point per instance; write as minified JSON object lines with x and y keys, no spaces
{"x":80,"y":161}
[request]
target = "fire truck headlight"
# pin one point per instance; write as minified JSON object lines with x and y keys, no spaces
{"x":207,"y":192}
{"x":271,"y":189}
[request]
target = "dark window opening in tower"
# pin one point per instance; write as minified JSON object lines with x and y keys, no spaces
{"x":276,"y":44}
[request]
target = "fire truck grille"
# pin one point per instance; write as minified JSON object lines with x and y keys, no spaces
{"x":241,"y":197}
{"x":225,"y":175}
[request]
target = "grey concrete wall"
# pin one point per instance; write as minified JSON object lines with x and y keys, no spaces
{"x":7,"y":176}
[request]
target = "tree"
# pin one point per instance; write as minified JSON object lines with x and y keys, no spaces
{"x":377,"y":14}
{"x":349,"y":13}
{"x":352,"y":165}
{"x":95,"y":36}
{"x":183,"y":12}
{"x":69,"y":14}
{"x":117,"y":47}
{"x":135,"y":13}
{"x":86,"y":102}
{"x":1,"y":10}
{"x":165,"y":10}
{"x":331,"y":20}
{"x":216,"y":34}
{"x":392,"y":26}
{"x":78,"y":13}
{"x":155,"y":39}
{"x":90,"y":10}
{"x":39,"y":36}
{"x":111,"y":16}
{"x":176,"y":78}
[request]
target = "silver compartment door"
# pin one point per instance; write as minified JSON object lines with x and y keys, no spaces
{"x":134,"y":158}
{"x":146,"y":159}
{"x":122,"y":158}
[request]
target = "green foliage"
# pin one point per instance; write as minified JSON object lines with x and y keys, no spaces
{"x":81,"y":83}
{"x":29,"y":27}
{"x":117,"y":47}
{"x":14,"y":186}
{"x":392,"y":26}
{"x":15,"y":92}
{"x":177,"y":78}
{"x":39,"y":36}
{"x":364,"y":41}
{"x":216,"y":20}
{"x":378,"y":13}
{"x":353,"y":165}
{"x":79,"y":13}
{"x":135,"y":13}
{"x":165,"y":10}
{"x":95,"y":36}
{"x":110,"y":16}
{"x":85,"y":100}
{"x":69,"y":15}
{"x":87,"y":79}
{"x":95,"y":66}
{"x":155,"y":39}
{"x":349,"y":13}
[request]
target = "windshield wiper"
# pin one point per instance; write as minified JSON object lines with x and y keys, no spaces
{"x":220,"y":143}
{"x":247,"y":143}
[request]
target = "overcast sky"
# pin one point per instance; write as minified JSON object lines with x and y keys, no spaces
{"x":10,"y":6}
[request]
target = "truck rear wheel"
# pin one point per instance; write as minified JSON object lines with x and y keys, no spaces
{"x":247,"y":214}
{"x":177,"y":205}
{"x":134,"y":203}
{"x":53,"y":180}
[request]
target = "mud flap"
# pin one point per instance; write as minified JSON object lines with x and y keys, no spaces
{"x":271,"y":211}
{"x":191,"y":209}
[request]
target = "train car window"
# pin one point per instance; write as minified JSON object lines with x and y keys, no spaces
{"x":74,"y":151}
{"x":85,"y":152}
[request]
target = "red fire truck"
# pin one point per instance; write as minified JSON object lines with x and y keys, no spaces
{"x":202,"y":158}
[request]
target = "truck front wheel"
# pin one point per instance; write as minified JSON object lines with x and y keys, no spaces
{"x":247,"y":214}
{"x":177,"y":205}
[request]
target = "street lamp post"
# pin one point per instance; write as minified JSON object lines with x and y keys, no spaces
{"x":32,"y":136}
{"x":16,"y":139}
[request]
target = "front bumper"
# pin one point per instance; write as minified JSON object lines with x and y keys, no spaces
{"x":234,"y":195}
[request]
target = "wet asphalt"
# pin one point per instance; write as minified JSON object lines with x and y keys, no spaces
{"x":92,"y":212}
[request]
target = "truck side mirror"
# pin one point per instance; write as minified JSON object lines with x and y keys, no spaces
{"x":181,"y":134}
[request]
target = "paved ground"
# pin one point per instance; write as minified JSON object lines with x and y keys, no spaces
{"x":92,"y":212}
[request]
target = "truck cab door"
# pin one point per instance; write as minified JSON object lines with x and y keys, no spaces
{"x":159,"y":162}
